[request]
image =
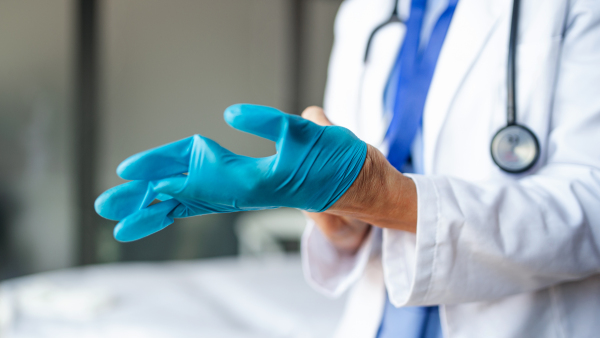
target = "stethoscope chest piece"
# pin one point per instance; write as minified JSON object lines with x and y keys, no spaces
{"x":515,"y":148}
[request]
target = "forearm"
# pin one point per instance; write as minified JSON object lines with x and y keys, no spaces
{"x":380,"y":196}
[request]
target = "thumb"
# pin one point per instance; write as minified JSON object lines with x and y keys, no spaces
{"x":316,"y":115}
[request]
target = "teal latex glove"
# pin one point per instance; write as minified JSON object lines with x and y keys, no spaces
{"x":312,"y":169}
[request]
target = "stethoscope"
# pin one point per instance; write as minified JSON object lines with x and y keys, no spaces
{"x":514,"y":148}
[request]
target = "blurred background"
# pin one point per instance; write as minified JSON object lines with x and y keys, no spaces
{"x":85,"y":84}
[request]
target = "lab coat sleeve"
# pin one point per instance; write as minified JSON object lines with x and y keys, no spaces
{"x":328,"y":270}
{"x":483,"y":241}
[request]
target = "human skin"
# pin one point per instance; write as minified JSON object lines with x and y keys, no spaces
{"x":380,"y":196}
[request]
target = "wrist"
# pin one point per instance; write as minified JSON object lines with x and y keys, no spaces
{"x":380,"y":195}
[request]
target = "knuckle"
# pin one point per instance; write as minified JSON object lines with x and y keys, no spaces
{"x":312,"y":112}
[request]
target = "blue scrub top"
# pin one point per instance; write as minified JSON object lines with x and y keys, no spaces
{"x":413,"y":322}
{"x":410,"y":322}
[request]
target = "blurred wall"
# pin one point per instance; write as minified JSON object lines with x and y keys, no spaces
{"x":35,"y":135}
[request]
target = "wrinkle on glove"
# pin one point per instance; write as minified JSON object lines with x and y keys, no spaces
{"x":313,"y":167}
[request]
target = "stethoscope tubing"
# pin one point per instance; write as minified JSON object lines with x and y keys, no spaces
{"x":394,"y":18}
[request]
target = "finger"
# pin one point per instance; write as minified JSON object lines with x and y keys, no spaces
{"x":325,"y":219}
{"x":171,"y":186}
{"x":316,"y":115}
{"x":266,"y":122}
{"x":157,"y":163}
{"x":119,"y":202}
{"x":145,"y":222}
{"x":163,"y":197}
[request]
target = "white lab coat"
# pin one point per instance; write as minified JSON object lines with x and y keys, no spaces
{"x":505,"y":255}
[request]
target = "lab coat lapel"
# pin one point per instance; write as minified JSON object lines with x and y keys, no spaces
{"x":471,"y":26}
{"x":372,"y":121}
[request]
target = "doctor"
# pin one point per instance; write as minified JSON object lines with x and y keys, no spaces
{"x":485,"y":238}
{"x":502,"y":254}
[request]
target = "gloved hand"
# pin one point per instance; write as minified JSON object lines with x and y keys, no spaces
{"x":313,"y":167}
